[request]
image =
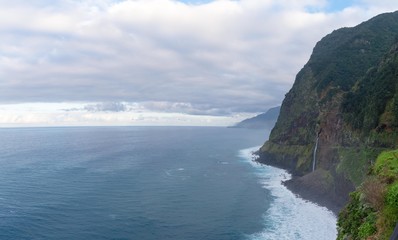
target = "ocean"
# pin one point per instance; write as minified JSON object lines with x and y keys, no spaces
{"x":142,"y":183}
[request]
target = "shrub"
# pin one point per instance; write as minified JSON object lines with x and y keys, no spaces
{"x":367,"y":228}
{"x":392,"y":195}
{"x":387,"y":220}
{"x":355,"y":219}
{"x":373,"y":193}
{"x":387,"y":165}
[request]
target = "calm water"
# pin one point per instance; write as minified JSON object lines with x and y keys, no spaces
{"x":147,"y":183}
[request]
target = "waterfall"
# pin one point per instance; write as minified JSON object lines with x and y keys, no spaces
{"x":316,"y":147}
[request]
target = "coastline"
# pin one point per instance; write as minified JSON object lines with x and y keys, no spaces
{"x":304,"y":186}
{"x":311,"y":194}
{"x":290,"y":216}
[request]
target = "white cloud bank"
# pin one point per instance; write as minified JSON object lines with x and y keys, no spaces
{"x":107,"y":114}
{"x":217,"y":59}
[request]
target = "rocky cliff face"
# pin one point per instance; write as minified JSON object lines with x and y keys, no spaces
{"x":347,"y":95}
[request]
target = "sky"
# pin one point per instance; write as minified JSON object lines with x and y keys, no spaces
{"x":158,"y":62}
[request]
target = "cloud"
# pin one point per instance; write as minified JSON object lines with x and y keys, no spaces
{"x":215,"y":58}
{"x":186,"y":108}
{"x":105,"y":114}
{"x":106,"y":107}
{"x":153,"y":107}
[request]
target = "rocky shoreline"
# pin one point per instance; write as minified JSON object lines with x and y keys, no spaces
{"x":314,"y":186}
{"x":313,"y":191}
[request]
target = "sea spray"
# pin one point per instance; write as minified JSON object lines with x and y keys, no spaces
{"x":289,"y":217}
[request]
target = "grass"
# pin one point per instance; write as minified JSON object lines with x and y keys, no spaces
{"x":372,"y":212}
{"x":387,"y":165}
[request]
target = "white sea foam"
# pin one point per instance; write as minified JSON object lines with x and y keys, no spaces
{"x":177,"y":173}
{"x":289,"y":217}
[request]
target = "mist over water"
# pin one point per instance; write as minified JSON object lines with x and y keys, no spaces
{"x":145,"y":183}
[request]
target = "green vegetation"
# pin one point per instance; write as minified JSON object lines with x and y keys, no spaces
{"x":392,"y":195}
{"x":372,"y":212}
{"x":364,"y":106}
{"x":368,"y":227}
{"x":297,"y":119}
{"x":301,"y":154}
{"x":354,"y":71}
{"x":345,"y":55}
{"x":347,"y":95}
{"x":356,"y":220}
{"x":355,"y":162}
{"x":387,"y":165}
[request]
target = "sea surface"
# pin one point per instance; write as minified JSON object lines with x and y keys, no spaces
{"x":176,"y":183}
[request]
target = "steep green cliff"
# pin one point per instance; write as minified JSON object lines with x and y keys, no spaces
{"x":347,"y":96}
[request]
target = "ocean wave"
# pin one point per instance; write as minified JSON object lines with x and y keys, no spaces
{"x":289,"y":216}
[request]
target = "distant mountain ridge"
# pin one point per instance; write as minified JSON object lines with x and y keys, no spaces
{"x":262,"y":121}
{"x":340,"y":114}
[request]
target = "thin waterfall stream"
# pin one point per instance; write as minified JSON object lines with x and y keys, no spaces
{"x":314,"y":158}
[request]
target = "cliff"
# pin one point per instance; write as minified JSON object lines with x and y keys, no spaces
{"x":262,"y":121}
{"x":345,"y":98}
